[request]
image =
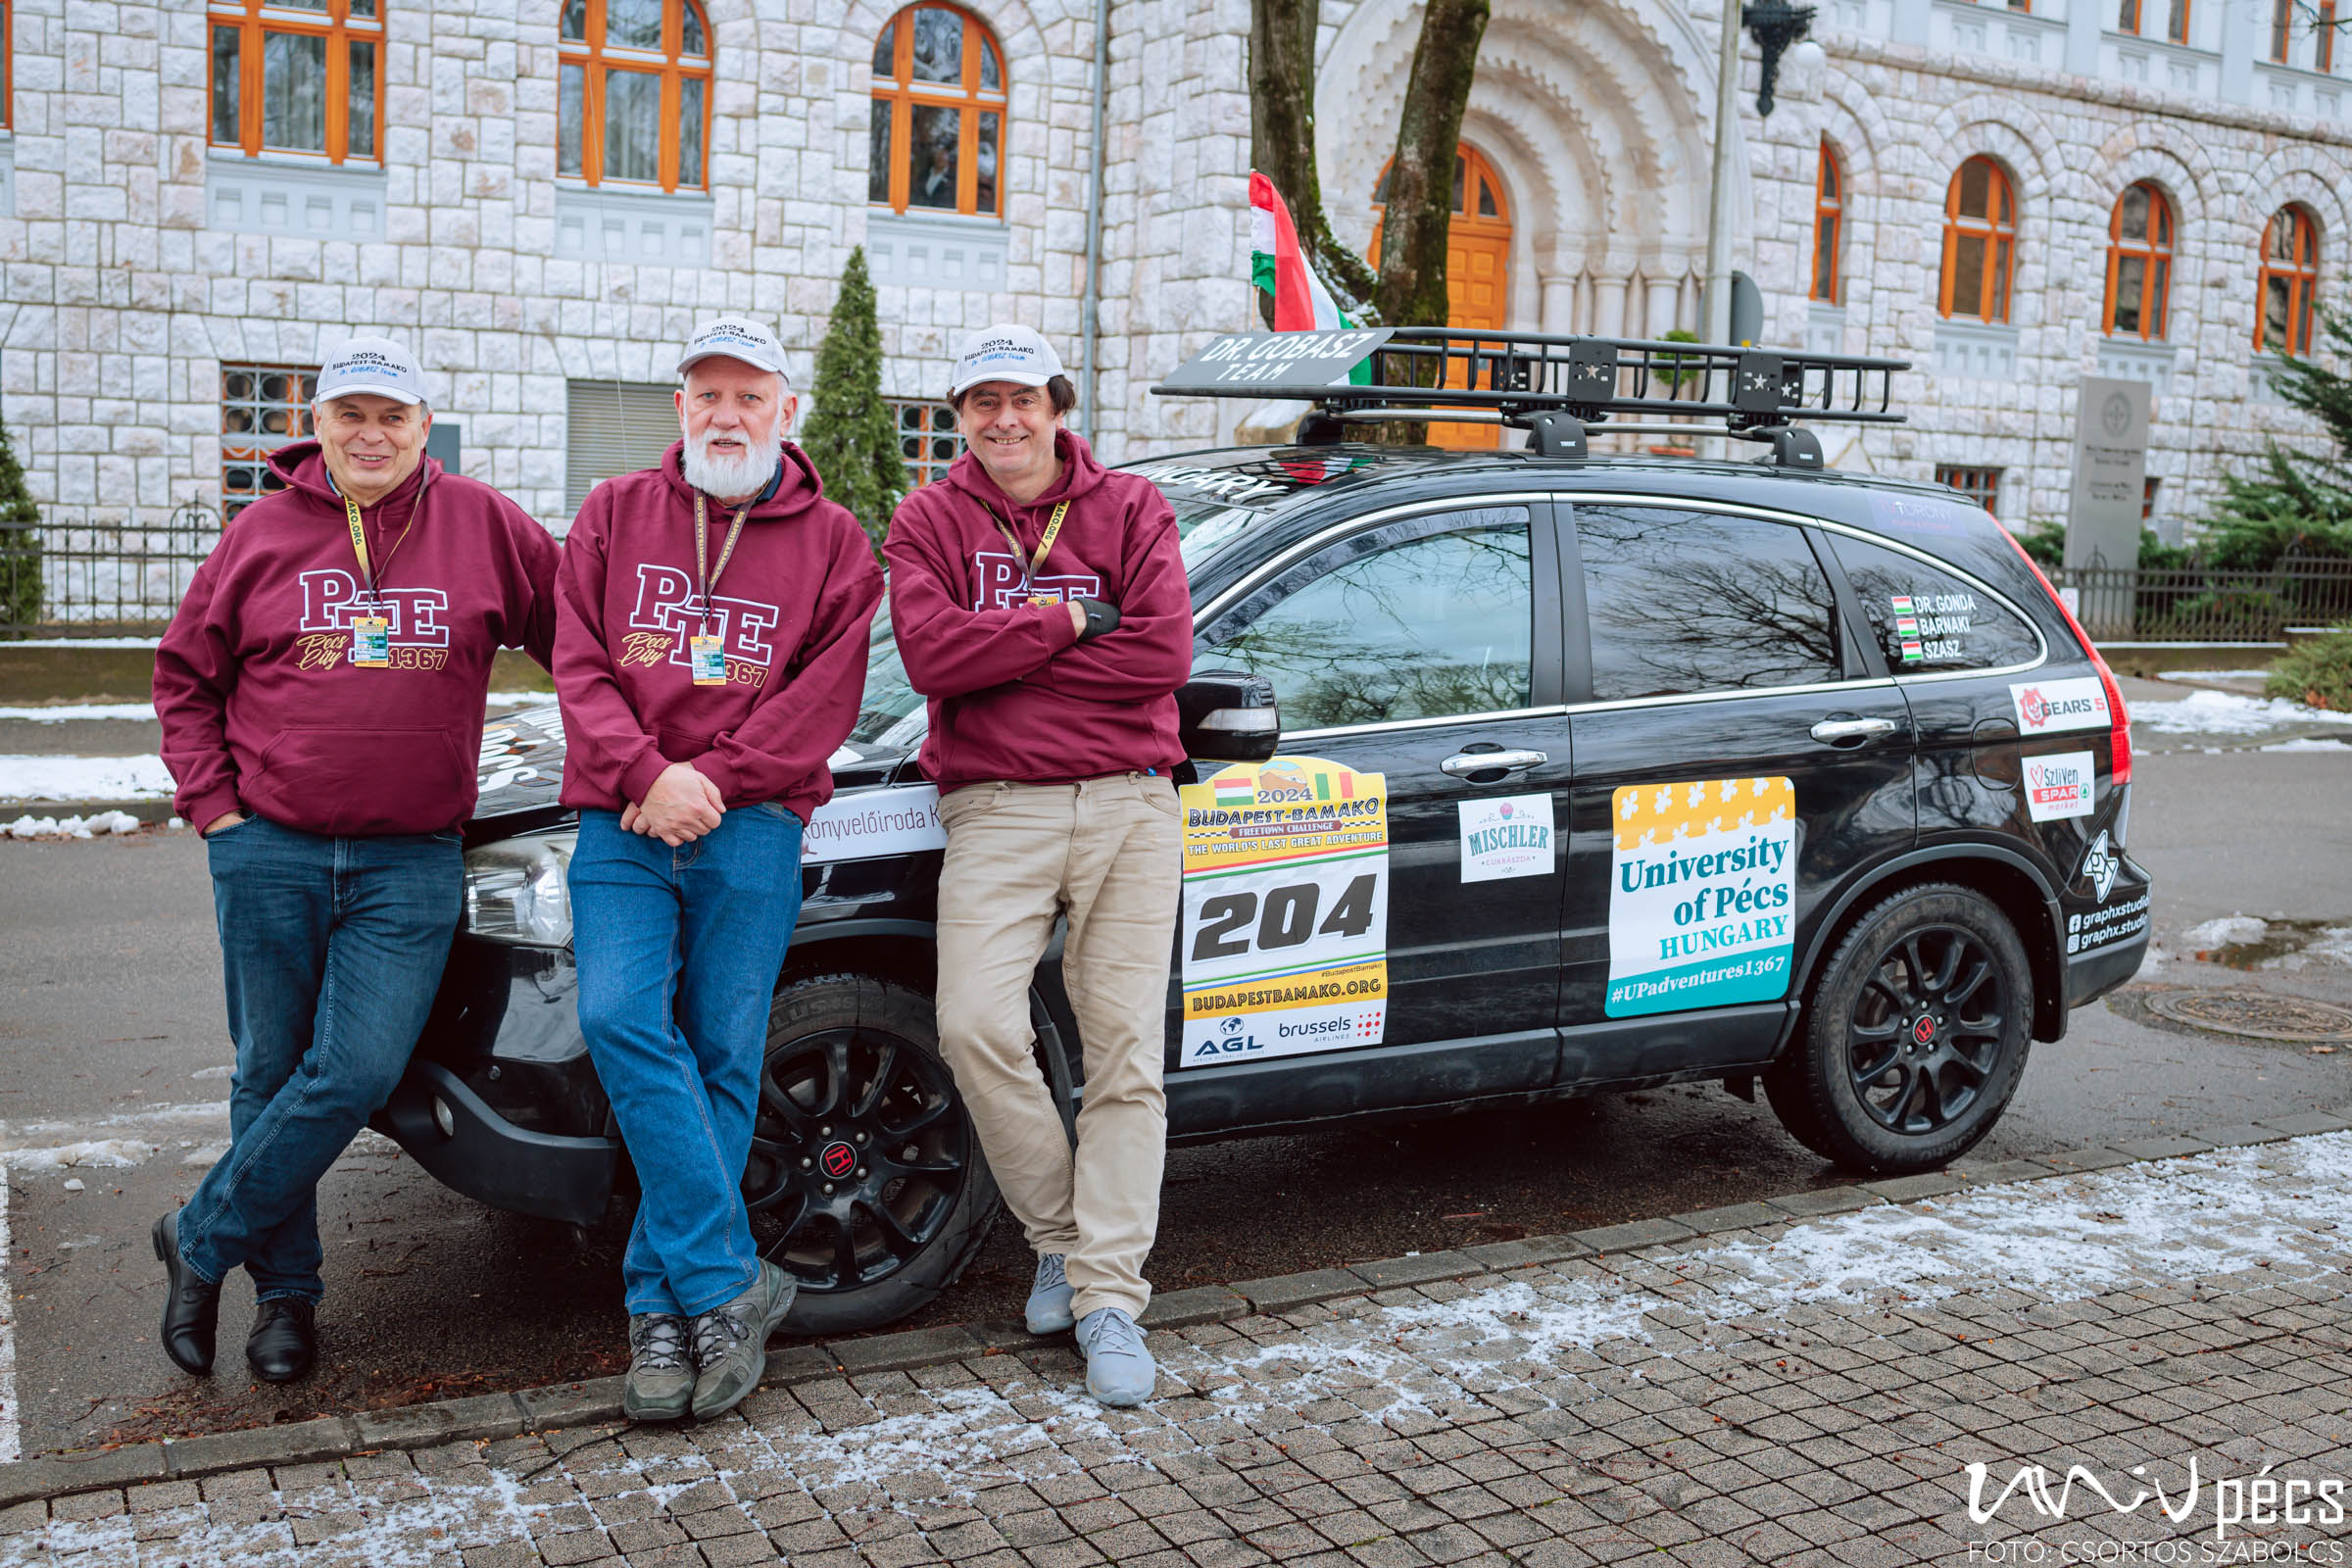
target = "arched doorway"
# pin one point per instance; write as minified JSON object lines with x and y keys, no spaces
{"x":1478,"y":259}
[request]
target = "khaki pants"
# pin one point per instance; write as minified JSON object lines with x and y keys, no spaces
{"x":1109,"y":853}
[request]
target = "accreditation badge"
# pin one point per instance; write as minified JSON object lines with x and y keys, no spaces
{"x":710,"y":659}
{"x":371,"y":642}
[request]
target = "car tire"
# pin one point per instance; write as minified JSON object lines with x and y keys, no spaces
{"x":1915,"y":1034}
{"x":865,"y":1180}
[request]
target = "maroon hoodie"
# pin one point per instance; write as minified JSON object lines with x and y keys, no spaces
{"x":1013,"y":694}
{"x":261,"y":708}
{"x":795,"y":607}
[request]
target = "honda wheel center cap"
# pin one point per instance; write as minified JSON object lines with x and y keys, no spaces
{"x":837,"y":1160}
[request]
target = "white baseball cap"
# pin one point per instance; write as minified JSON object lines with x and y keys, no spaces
{"x":736,"y":337}
{"x":1005,"y":353}
{"x":375,"y":365}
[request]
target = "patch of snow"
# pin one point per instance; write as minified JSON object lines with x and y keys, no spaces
{"x":2312,"y":742}
{"x":2224,"y":932}
{"x":2336,"y":942}
{"x":518,"y":699}
{"x":228,"y":1069}
{"x":88,"y":642}
{"x":2227,"y":713}
{"x":2210,"y":674}
{"x":83,"y":778}
{"x":205,"y":1157}
{"x":113,"y":1154}
{"x":29,"y":827}
{"x":77,"y":710}
{"x":12,"y":1446}
{"x":74,"y":1184}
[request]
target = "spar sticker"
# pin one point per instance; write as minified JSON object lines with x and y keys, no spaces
{"x":1507,"y":837}
{"x":1283,"y":938}
{"x":2058,"y":786}
{"x":2046,"y":706}
{"x":1703,"y":894}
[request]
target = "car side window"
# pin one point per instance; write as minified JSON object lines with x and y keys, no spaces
{"x":1682,"y":602}
{"x":1927,"y":621}
{"x":1425,"y":617}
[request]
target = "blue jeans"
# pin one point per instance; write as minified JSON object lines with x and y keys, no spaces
{"x":332,"y":948}
{"x":679,"y":952}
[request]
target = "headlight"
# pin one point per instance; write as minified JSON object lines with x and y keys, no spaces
{"x":516,"y":892}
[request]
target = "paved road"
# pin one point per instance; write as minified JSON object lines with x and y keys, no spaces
{"x":1865,"y":1388}
{"x":111,"y":1021}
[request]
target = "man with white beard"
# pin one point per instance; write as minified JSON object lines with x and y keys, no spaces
{"x":710,"y":657}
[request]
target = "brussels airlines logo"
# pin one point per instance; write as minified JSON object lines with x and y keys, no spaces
{"x":666,"y":603}
{"x":1001,"y":588}
{"x":2048,"y":705}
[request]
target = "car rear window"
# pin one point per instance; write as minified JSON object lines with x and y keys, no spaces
{"x":1685,"y":602}
{"x":1927,"y":621}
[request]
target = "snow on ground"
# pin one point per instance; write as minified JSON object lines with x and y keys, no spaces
{"x":77,"y":710}
{"x":520,"y":699}
{"x":29,"y":827}
{"x":2312,"y":742}
{"x":88,"y":642}
{"x":2227,"y":713}
{"x":10,"y":1428}
{"x":83,"y":778}
{"x":112,"y":1154}
{"x":2193,"y":676}
{"x":2230,"y":929}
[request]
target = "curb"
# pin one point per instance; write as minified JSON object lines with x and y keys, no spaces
{"x":491,"y":1416}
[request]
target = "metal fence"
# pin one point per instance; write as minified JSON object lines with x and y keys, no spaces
{"x":2200,"y":605}
{"x":118,"y":574}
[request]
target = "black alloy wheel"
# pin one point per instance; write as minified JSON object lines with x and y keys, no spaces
{"x":1927,"y":1033}
{"x":1914,"y":1036}
{"x":865,"y":1180}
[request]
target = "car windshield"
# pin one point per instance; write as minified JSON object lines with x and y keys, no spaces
{"x":892,"y":715}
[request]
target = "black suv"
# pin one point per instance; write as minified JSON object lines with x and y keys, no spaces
{"x":1692,"y":770}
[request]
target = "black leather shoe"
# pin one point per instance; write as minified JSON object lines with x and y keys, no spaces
{"x":191,"y":1307}
{"x":284,"y":1341}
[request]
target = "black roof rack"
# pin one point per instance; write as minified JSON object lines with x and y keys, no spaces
{"x":1550,"y":385}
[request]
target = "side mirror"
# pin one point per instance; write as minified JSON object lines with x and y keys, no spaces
{"x":1229,"y":715}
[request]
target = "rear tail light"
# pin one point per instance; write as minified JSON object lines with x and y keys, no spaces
{"x":2120,"y":719}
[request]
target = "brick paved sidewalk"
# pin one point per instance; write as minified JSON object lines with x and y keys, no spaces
{"x":1805,"y":1391}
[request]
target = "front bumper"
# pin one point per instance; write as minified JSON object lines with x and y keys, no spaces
{"x":487,"y":1157}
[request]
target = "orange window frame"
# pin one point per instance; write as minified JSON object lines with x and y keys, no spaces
{"x":969,"y":99}
{"x":254,"y":22}
{"x":2322,"y":39}
{"x":1828,"y":226}
{"x":1976,"y":481}
{"x":1997,"y":229}
{"x":595,"y":56}
{"x":8,"y":67}
{"x":2155,"y":253}
{"x":2283,"y":30}
{"x":2299,"y":271}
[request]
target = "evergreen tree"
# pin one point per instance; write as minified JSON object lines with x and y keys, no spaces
{"x":849,"y":435}
{"x":19,"y":545}
{"x":2294,"y":503}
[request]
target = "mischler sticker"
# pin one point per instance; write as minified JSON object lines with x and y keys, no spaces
{"x":2046,"y":707}
{"x":1506,"y":837}
{"x":2059,"y":785}
{"x":1703,"y":894}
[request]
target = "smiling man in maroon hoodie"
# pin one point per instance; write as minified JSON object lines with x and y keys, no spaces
{"x":321,"y":692}
{"x":1041,"y":605}
{"x":711,"y":658}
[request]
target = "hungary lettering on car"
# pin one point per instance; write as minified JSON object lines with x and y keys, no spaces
{"x":1518,"y":775}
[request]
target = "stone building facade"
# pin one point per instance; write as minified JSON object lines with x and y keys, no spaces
{"x":148,"y":253}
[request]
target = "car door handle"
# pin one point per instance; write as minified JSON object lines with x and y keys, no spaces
{"x":1463,"y":764}
{"x":1852,"y":731}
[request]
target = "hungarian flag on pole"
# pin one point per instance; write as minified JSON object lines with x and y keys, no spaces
{"x":1278,"y":267}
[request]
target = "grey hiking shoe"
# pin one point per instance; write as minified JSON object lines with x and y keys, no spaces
{"x":730,"y":1342}
{"x":660,"y":1385}
{"x":1120,"y":1371}
{"x":1048,"y":1310}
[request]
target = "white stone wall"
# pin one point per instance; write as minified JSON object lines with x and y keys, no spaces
{"x":120,"y":300}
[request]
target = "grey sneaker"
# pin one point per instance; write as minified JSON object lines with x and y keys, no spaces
{"x":660,"y":1385}
{"x":1120,"y":1371}
{"x":730,"y":1342}
{"x":1048,"y":1310}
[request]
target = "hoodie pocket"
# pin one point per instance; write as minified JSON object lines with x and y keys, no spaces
{"x":378,"y":780}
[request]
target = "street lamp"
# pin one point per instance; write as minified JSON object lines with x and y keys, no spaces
{"x":1777,"y":25}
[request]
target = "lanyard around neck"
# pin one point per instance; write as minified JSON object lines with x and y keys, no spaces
{"x":707,"y":579}
{"x":359,"y":547}
{"x":1031,"y":565}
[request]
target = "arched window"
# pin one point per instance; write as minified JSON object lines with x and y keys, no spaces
{"x":633,"y":94}
{"x":937,"y":136}
{"x":2290,"y":275}
{"x":1979,"y":242}
{"x":1829,"y":225}
{"x":2139,"y":263}
{"x":1478,"y":264}
{"x":297,"y":83}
